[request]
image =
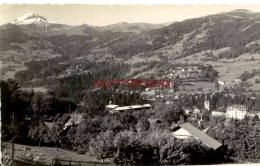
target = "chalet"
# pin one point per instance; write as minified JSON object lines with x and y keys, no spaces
{"x":74,"y":119}
{"x":186,"y":131}
{"x":236,"y":111}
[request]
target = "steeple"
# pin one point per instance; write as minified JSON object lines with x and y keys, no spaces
{"x":206,"y":102}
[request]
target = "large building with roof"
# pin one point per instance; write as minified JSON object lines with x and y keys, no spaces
{"x":186,"y":130}
{"x":116,"y":109}
{"x":236,"y":111}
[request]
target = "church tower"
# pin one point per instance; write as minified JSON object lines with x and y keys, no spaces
{"x":206,"y":102}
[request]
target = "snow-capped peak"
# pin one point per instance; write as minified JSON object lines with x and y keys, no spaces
{"x":31,"y":18}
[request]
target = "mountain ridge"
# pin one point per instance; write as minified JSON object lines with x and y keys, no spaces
{"x":219,"y":39}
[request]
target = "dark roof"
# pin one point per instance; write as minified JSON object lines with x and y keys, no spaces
{"x":207,"y":140}
{"x":49,"y":125}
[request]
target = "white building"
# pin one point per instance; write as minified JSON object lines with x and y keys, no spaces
{"x":236,"y":111}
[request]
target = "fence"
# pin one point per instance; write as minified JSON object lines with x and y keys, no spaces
{"x":83,"y":163}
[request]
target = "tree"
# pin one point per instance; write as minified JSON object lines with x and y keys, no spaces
{"x":142,"y":125}
{"x":102,"y":145}
{"x":216,"y":84}
{"x":38,"y":132}
{"x":206,"y":115}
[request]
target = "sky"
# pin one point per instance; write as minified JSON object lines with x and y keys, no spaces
{"x":101,"y":15}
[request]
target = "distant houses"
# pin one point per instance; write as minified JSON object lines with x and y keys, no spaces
{"x":73,"y":119}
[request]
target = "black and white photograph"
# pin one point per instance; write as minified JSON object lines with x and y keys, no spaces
{"x":129,"y":85}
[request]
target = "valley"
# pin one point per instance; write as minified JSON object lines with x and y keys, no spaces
{"x":209,"y":113}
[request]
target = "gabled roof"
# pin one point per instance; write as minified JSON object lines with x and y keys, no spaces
{"x":207,"y":140}
{"x":132,"y":107}
{"x":237,"y":106}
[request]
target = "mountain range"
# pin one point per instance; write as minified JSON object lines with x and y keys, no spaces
{"x":229,"y":41}
{"x":45,"y":26}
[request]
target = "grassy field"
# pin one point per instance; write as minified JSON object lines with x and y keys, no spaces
{"x":9,"y":72}
{"x":50,"y":152}
{"x":198,"y":85}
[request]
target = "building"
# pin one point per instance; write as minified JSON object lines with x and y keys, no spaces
{"x":206,"y":103}
{"x":111,"y":107}
{"x":74,"y":119}
{"x":218,"y":113}
{"x":195,"y":109}
{"x":254,"y":113}
{"x":188,"y":111}
{"x":49,"y":125}
{"x":236,"y":112}
{"x":116,"y":109}
{"x":221,"y":82}
{"x":186,"y":131}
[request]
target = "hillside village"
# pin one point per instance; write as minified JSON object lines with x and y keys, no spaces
{"x":209,"y":113}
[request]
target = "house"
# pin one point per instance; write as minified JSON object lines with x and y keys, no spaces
{"x":188,"y":111}
{"x":153,"y":121}
{"x":195,"y":109}
{"x":74,"y":119}
{"x":221,"y":82}
{"x":132,"y":107}
{"x":169,"y":102}
{"x":237,"y":81}
{"x":49,"y":125}
{"x":186,"y":131}
{"x":236,"y":111}
{"x":254,"y":113}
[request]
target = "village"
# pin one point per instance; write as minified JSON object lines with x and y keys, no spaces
{"x":177,"y":91}
{"x":182,"y":131}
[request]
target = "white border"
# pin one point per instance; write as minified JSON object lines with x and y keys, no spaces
{"x":133,"y":2}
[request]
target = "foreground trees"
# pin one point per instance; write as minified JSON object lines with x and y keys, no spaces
{"x":25,"y":110}
{"x":153,"y":147}
{"x":242,"y":135}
